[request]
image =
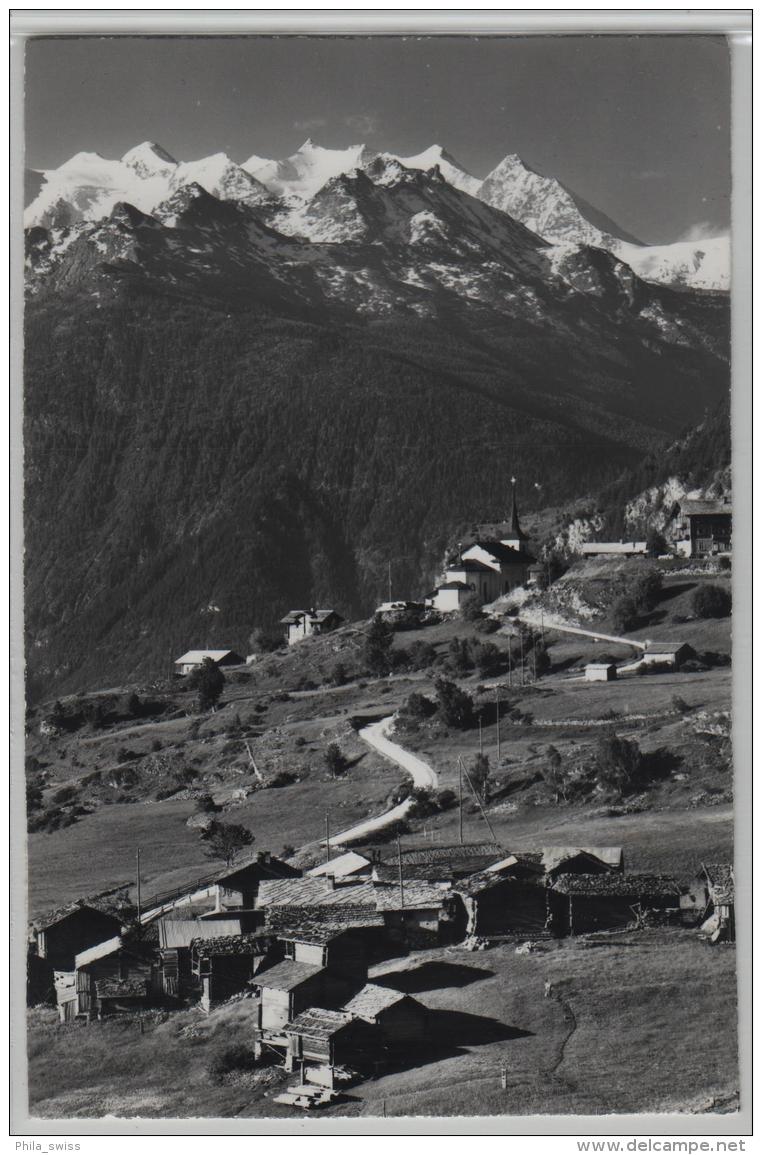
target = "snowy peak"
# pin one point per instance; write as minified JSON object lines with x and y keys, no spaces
{"x":304,"y":173}
{"x":546,"y":206}
{"x":436,"y":156}
{"x":149,"y":159}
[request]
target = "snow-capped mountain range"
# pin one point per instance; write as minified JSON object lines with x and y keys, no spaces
{"x":302,"y":197}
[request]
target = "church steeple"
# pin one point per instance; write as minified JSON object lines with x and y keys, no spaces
{"x":516,"y":538}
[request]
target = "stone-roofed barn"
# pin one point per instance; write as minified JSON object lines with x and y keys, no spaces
{"x":401,"y":1019}
{"x":580,"y":903}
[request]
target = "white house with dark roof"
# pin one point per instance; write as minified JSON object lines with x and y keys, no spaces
{"x":301,"y":624}
{"x":194,"y":659}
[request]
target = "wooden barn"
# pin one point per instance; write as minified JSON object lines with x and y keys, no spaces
{"x":439,"y":863}
{"x":65,"y":933}
{"x":226,"y":965}
{"x":236,"y":888}
{"x":175,"y":938}
{"x":580,"y":903}
{"x":671,"y":654}
{"x":401,"y":1020}
{"x":285,"y":990}
{"x":320,"y":1040}
{"x":116,"y":977}
{"x":345,"y":943}
{"x":420,"y":915}
{"x":504,"y":906}
{"x":709,"y":901}
{"x":194,"y":660}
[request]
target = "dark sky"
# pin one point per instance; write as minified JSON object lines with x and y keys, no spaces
{"x":639,"y":126}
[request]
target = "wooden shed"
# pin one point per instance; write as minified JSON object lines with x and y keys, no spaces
{"x":225,"y":965}
{"x":580,"y":903}
{"x":503,"y":906}
{"x":421,"y":915}
{"x":236,"y":888}
{"x":285,"y":990}
{"x":66,"y":932}
{"x":320,"y":1040}
{"x":117,"y":976}
{"x":671,"y":654}
{"x":175,"y":938}
{"x":401,"y":1020}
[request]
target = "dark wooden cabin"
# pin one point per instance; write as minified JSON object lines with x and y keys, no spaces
{"x":116,"y":977}
{"x":175,"y":938}
{"x":65,"y":933}
{"x":224,"y":966}
{"x":237,"y":887}
{"x":583,"y":903}
{"x":401,"y":1020}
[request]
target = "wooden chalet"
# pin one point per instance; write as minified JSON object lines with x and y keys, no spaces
{"x":236,"y":888}
{"x":580,"y":903}
{"x":64,"y":933}
{"x":709,"y":901}
{"x":401,"y":1020}
{"x":320,"y":1040}
{"x":344,"y":942}
{"x":285,"y":990}
{"x":499,"y":906}
{"x":225,"y":965}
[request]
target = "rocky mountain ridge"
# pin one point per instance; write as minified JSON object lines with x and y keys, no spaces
{"x":87,"y":187}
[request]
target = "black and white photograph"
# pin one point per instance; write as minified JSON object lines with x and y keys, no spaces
{"x":378,"y":578}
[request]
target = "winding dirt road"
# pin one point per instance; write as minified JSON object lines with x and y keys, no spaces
{"x":423,"y":775}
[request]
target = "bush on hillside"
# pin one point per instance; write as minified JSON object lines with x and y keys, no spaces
{"x":624,"y":614}
{"x":711,"y":601}
{"x":471,"y":608}
{"x":618,"y":762}
{"x":378,"y":647}
{"x":208,"y":681}
{"x":454,"y":706}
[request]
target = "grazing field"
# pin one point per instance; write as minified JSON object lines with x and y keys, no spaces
{"x":633,"y":1022}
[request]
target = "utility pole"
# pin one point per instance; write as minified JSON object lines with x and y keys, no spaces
{"x":327,"y":838}
{"x":542,"y":626}
{"x":390,"y":581}
{"x":399,"y":871}
{"x":460,"y":799}
{"x":521,"y":641}
{"x":510,"y":662}
{"x":481,"y":745}
{"x":497,"y":721}
{"x":137,"y":859}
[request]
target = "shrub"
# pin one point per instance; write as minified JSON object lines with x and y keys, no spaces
{"x":133,"y":706}
{"x":156,"y":745}
{"x":624,"y":614}
{"x":282,"y":778}
{"x":553,"y":773}
{"x":378,"y":645}
{"x":446,"y":798}
{"x":488,"y":625}
{"x":338,"y":674}
{"x":421,"y":655}
{"x":618,"y":762}
{"x":205,"y":804}
{"x":710,"y":601}
{"x":335,"y":760}
{"x":471,"y":608}
{"x":656,"y":543}
{"x":646,"y":590}
{"x":459,"y":659}
{"x":287,"y":851}
{"x":478,"y":772}
{"x":489,"y":659}
{"x":300,"y":741}
{"x":64,"y":795}
{"x":454,"y":706}
{"x":208,"y":681}
{"x":424,"y":803}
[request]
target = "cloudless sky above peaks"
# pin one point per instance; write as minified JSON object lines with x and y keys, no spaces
{"x":638,"y":126}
